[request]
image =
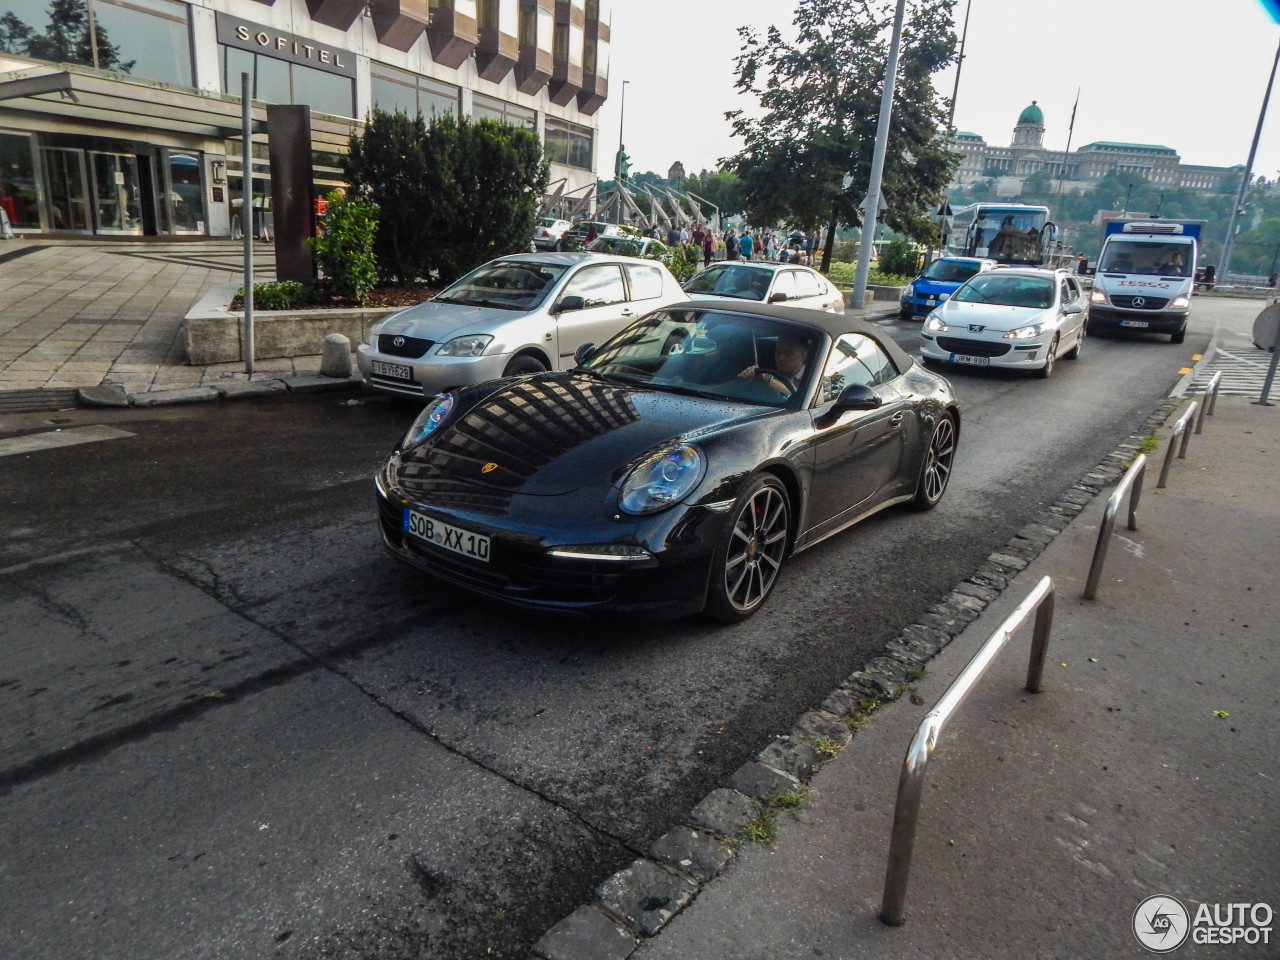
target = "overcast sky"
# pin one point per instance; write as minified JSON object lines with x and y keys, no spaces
{"x":1186,"y":74}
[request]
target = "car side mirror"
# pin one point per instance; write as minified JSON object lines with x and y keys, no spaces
{"x":778,"y":297}
{"x":858,"y":396}
{"x":1071,"y":308}
{"x":584,"y":353}
{"x":570,"y":303}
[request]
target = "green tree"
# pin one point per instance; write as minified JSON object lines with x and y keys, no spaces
{"x":1038,"y":186}
{"x":390,"y":164}
{"x":820,"y":104}
{"x":721,"y":187}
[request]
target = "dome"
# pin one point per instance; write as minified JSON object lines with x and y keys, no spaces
{"x":1032,"y":114}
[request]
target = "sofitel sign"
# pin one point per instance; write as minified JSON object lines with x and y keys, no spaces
{"x":284,"y":46}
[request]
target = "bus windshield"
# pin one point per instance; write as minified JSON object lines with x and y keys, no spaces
{"x":1012,"y":233}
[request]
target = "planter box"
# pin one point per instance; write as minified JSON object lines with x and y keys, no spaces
{"x":214,"y":334}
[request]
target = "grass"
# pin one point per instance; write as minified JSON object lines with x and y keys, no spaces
{"x":826,"y":747}
{"x":859,"y":716}
{"x":1150,"y":443}
{"x":763,"y":827}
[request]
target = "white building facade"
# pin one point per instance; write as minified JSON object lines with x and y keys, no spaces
{"x":150,"y":143}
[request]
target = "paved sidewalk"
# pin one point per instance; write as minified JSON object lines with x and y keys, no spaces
{"x":1147,"y":764}
{"x":88,"y":313}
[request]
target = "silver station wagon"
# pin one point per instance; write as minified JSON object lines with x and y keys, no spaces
{"x":519,"y":314}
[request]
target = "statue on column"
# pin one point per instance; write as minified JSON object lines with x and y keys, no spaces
{"x":621,"y":164}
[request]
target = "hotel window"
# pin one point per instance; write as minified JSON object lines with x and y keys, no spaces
{"x":568,"y":143}
{"x":396,"y":91}
{"x":279,"y":81}
{"x":491,"y":108}
{"x":151,"y":38}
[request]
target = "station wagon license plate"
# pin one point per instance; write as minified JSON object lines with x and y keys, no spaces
{"x":975,"y":361}
{"x":396,"y":371}
{"x":446,"y":535}
{"x":1133,"y":323}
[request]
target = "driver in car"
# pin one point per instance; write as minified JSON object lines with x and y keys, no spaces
{"x":791,"y":354}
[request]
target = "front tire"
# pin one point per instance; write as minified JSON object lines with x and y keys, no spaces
{"x":935,"y":472}
{"x":749,"y":556}
{"x":1050,"y":360}
{"x":523,"y":364}
{"x":1178,"y":337}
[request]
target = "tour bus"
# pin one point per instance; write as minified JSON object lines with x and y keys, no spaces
{"x":1018,"y":233}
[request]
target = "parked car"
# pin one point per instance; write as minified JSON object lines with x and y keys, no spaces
{"x":583,"y":228}
{"x":1021,"y":317}
{"x":549,"y":234}
{"x":625,"y":245}
{"x":796,"y":286}
{"x":675,"y":469}
{"x":937,"y":282}
{"x":519,"y":314}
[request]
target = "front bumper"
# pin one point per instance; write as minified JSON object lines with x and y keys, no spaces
{"x":969,"y":351}
{"x":521,"y":570}
{"x":920,"y":306}
{"x":1162,"y":321}
{"x":429,"y":376}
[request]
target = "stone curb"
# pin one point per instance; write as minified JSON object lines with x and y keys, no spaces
{"x":692,"y":854}
{"x":111,"y":395}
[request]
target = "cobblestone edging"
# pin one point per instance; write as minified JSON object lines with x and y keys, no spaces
{"x":639,"y":901}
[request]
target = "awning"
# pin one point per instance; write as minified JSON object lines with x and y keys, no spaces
{"x":120,"y":101}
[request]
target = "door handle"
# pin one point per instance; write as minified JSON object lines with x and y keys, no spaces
{"x":896,"y":418}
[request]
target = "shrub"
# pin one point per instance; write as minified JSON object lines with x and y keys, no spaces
{"x":345,"y":248}
{"x":279,"y":295}
{"x":899,"y":257}
{"x":682,"y":260}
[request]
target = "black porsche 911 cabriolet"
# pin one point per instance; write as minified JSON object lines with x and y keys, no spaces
{"x":675,"y":468}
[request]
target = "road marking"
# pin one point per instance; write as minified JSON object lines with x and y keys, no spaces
{"x":59,"y":438}
{"x":1184,"y":371}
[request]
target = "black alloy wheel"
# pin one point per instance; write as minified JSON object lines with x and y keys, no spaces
{"x":935,"y":472}
{"x":523,"y":364}
{"x":749,"y":558}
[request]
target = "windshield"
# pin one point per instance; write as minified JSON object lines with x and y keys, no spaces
{"x":509,"y":284}
{"x":623,"y":246}
{"x":1007,"y":291}
{"x":1148,"y":259}
{"x":707,"y":353}
{"x":956,"y":271}
{"x":1008,"y":235}
{"x":732,"y":280}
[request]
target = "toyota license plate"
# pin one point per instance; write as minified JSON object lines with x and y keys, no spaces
{"x":975,"y":361}
{"x":396,"y":371}
{"x":1133,"y":323}
{"x":446,"y":535}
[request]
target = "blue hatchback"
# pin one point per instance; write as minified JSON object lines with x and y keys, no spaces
{"x":939,"y":280}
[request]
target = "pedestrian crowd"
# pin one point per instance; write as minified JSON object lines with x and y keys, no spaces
{"x":747,"y":244}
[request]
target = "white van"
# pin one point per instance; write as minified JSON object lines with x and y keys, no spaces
{"x":1145,"y":276}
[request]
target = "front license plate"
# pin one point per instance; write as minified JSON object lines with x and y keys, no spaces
{"x":446,"y":535}
{"x":975,"y":361}
{"x":396,"y":371}
{"x":1133,"y":323}
{"x":932,"y":302}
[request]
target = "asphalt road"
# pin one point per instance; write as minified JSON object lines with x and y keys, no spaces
{"x":230,"y":726}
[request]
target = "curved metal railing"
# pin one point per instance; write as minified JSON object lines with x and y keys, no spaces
{"x":911,"y":782}
{"x":1133,"y":477}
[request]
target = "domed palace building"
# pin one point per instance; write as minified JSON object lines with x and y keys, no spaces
{"x":1079,"y":169}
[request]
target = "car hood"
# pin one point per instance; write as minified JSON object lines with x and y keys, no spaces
{"x":554,"y":433}
{"x":993,"y":317}
{"x":935,"y":287}
{"x":437,"y":321}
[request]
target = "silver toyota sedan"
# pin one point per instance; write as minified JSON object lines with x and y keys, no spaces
{"x":518,"y":314}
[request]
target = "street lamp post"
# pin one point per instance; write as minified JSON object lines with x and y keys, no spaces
{"x":1248,"y":174}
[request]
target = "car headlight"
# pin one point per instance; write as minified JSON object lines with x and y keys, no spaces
{"x":664,"y":478}
{"x":432,"y":415}
{"x":471,"y":345}
{"x":934,"y":324}
{"x":909,"y":292}
{"x":1097,"y":296}
{"x":1181,"y":302}
{"x":1026,"y":333}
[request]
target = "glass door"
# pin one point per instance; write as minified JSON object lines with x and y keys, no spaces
{"x":184,"y":192}
{"x":68,"y":192}
{"x":116,"y":192}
